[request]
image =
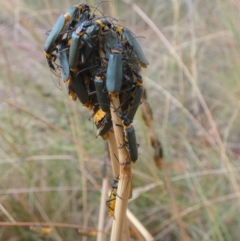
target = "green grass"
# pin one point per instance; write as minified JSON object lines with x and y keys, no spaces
{"x":49,"y":153}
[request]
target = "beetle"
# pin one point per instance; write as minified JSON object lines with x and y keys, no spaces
{"x":108,"y":41}
{"x":131,"y":142}
{"x":136,"y":96}
{"x":114,"y":69}
{"x":130,"y":137}
{"x":74,"y":51}
{"x":76,"y":43}
{"x":102,"y":96}
{"x":112,"y":198}
{"x":104,"y":127}
{"x":131,"y":39}
{"x":89,"y":41}
{"x":78,"y":86}
{"x":103,"y":122}
{"x":63,"y":59}
{"x":135,"y":102}
{"x":52,"y":58}
{"x":113,"y":195}
{"x":53,"y":37}
{"x":63,"y":23}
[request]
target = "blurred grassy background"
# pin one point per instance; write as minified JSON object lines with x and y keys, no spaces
{"x":51,"y":161}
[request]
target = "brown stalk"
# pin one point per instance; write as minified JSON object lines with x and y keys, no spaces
{"x":113,"y":152}
{"x":125,"y":174}
{"x":140,"y":231}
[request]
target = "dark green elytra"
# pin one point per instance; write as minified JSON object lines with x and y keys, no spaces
{"x":136,"y":101}
{"x":114,"y":73}
{"x":89,"y":40}
{"x":74,"y":50}
{"x":86,"y":51}
{"x":111,"y":39}
{"x":63,"y":59}
{"x":63,"y":22}
{"x":79,"y":88}
{"x":102,"y":96}
{"x":132,"y":142}
{"x":73,"y":12}
{"x":56,"y":30}
{"x":93,"y":32}
{"x":136,"y":47}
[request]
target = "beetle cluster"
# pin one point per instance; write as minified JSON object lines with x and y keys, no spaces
{"x":97,"y":59}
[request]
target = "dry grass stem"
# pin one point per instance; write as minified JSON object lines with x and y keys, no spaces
{"x":139,"y":227}
{"x":125,"y":173}
{"x":102,"y":209}
{"x":175,"y":207}
{"x":6,"y":213}
{"x":126,"y":230}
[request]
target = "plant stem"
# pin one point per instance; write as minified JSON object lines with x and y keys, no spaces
{"x":113,"y":152}
{"x":125,"y":173}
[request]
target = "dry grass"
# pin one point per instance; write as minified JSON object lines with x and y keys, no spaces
{"x":51,"y":161}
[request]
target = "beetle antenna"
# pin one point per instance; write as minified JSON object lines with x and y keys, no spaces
{"x":96,"y":8}
{"x":135,"y":35}
{"x":48,"y":32}
{"x":104,"y":16}
{"x":54,"y":82}
{"x":86,"y":69}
